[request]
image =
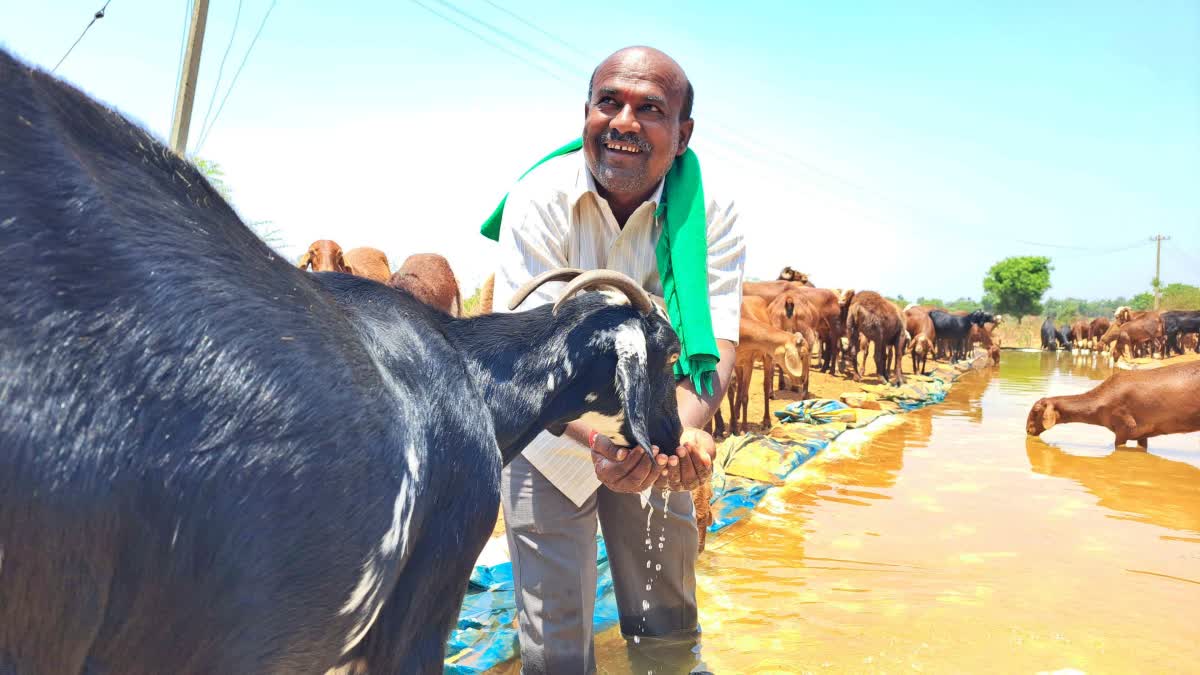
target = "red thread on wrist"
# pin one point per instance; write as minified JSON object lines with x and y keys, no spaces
{"x":592,"y":439}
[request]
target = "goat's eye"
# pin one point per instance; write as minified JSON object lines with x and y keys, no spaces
{"x":672,"y":359}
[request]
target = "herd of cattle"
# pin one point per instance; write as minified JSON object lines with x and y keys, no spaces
{"x":1129,"y":334}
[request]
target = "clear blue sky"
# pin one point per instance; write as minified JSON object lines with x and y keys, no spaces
{"x":901,"y":147}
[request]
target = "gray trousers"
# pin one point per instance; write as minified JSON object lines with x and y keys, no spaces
{"x":553,"y":547}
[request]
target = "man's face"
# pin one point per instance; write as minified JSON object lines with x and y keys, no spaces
{"x":632,"y":132}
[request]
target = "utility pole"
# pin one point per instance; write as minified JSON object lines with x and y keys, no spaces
{"x":187,"y":82}
{"x":1159,"y":239}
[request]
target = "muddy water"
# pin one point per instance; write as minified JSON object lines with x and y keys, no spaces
{"x":951,"y":542}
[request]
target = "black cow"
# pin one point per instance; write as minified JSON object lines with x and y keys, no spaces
{"x":212,"y":462}
{"x":1049,"y":335}
{"x":956,"y":329}
{"x":1178,"y":323}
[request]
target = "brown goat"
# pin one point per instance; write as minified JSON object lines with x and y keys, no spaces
{"x":873,"y":315}
{"x":830,"y":306}
{"x":369,"y":263}
{"x":1080,"y":330}
{"x":792,"y":274}
{"x":324,"y":255}
{"x":428,"y":278}
{"x":758,"y":339}
{"x":1133,"y":333}
{"x":1190,"y":341}
{"x":1133,"y":404}
{"x":920,"y":328}
{"x":1096,"y":330}
{"x":487,"y":295}
{"x":790,"y":312}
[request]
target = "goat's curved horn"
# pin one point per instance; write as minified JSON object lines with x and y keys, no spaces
{"x":638,"y":297}
{"x":560,"y":274}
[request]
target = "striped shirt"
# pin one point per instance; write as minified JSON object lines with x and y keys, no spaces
{"x":554,"y":218}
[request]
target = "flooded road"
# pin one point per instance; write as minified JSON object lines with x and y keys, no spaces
{"x":951,"y":542}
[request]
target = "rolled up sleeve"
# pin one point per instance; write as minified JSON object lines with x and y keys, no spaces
{"x":726,"y":264}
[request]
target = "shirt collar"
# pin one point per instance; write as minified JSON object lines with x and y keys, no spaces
{"x":586,"y":183}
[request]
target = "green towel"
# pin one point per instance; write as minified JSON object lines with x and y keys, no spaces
{"x":682,"y":255}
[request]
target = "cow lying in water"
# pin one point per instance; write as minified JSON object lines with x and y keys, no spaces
{"x":212,"y":462}
{"x":1133,"y":404}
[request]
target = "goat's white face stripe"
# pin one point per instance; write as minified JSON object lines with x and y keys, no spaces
{"x":627,"y":340}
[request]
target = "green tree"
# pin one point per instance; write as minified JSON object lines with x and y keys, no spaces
{"x":1142,"y":301}
{"x":1017,"y":284}
{"x":216,"y":177}
{"x":1180,"y":296}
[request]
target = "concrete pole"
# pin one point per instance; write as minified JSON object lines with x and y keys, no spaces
{"x":187,"y":83}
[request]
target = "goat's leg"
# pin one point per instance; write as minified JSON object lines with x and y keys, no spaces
{"x":881,"y":362}
{"x":768,"y":362}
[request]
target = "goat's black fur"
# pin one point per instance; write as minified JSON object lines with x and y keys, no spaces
{"x":955,"y":329}
{"x":212,"y":462}
{"x":1048,"y":334}
{"x":1178,"y":323}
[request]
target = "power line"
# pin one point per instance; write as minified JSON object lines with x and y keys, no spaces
{"x":512,"y":38}
{"x":187,"y":12}
{"x":221,"y":69}
{"x":721,"y":136}
{"x":487,"y":40}
{"x":534,"y":26}
{"x":236,"y":73}
{"x":95,"y":17}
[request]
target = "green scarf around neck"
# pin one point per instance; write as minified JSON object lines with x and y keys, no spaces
{"x":682,"y":256}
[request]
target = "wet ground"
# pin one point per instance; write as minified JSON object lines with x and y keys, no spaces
{"x":951,"y":542}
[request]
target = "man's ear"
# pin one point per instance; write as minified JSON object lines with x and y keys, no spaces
{"x":685,"y":135}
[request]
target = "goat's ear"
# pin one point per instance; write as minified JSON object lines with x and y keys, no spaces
{"x":629,"y":345}
{"x":305,"y":260}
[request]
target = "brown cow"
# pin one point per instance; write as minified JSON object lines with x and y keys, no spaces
{"x":428,"y":278}
{"x":1133,"y":404}
{"x":920,"y":328}
{"x":881,"y":321}
{"x":369,"y":263}
{"x":324,"y":255}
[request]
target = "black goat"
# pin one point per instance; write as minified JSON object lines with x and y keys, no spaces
{"x":956,"y":329}
{"x":1049,"y":334}
{"x":212,"y":462}
{"x":1178,"y":323}
{"x":1063,"y":337}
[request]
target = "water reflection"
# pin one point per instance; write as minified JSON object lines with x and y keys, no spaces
{"x":1137,"y":484}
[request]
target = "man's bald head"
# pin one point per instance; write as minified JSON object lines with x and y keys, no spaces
{"x":650,"y":59}
{"x":637,"y":120}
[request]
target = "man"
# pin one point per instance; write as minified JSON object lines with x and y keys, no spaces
{"x":600,"y":208}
